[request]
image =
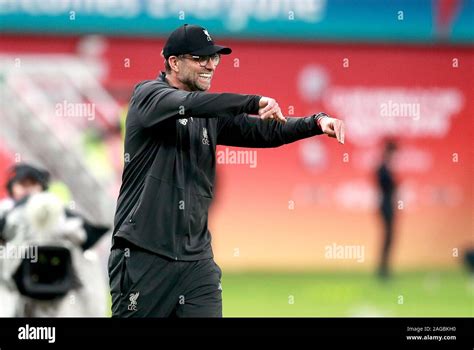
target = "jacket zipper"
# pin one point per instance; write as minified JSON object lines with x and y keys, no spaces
{"x":132,"y":221}
{"x":187,"y":193}
{"x":134,"y":211}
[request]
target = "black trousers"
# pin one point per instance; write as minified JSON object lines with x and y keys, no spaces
{"x":144,"y":284}
{"x":387,"y":215}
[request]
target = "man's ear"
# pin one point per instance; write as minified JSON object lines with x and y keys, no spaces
{"x":173,"y":63}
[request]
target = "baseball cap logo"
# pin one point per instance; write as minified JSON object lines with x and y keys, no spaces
{"x":207,"y":35}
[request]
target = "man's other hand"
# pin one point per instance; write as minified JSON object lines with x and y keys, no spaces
{"x":269,"y":109}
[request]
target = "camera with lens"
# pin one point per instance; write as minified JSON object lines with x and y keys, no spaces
{"x":46,"y":265}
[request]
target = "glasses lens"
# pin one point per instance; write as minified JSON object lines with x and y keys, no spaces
{"x":204,"y":60}
{"x":216,"y":58}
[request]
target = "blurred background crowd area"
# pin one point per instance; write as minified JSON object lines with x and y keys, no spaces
{"x":392,"y":70}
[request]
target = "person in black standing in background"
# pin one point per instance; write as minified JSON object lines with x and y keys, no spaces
{"x":387,"y":186}
{"x":161,"y":262}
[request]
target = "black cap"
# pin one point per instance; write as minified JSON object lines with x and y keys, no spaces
{"x":194,"y":40}
{"x":25,"y":171}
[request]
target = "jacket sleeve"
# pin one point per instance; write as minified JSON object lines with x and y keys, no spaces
{"x":247,"y":131}
{"x":154,"y":104}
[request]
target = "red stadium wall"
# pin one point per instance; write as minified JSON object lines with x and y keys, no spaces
{"x":302,"y":197}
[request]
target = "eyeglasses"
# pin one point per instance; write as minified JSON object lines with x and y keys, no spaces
{"x":204,"y":60}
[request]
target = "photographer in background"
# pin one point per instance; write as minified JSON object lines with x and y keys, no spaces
{"x":58,"y":277}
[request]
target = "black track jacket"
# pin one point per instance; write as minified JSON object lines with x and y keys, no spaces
{"x":170,"y":162}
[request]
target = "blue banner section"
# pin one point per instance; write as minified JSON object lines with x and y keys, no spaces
{"x":326,"y":20}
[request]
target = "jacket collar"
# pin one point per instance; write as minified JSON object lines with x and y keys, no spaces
{"x":162,"y":77}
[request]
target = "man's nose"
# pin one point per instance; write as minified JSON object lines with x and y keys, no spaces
{"x":210,"y":65}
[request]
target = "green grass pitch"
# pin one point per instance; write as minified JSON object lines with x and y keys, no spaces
{"x":348,"y":294}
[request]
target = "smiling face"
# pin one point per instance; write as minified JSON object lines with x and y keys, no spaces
{"x":189,"y":75}
{"x":194,"y":76}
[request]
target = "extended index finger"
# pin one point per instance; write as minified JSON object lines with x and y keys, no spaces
{"x":338,"y":129}
{"x":281,"y":118}
{"x":342,"y":132}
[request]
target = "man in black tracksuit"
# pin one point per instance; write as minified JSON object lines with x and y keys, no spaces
{"x":161,"y":263}
{"x":387,"y":185}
